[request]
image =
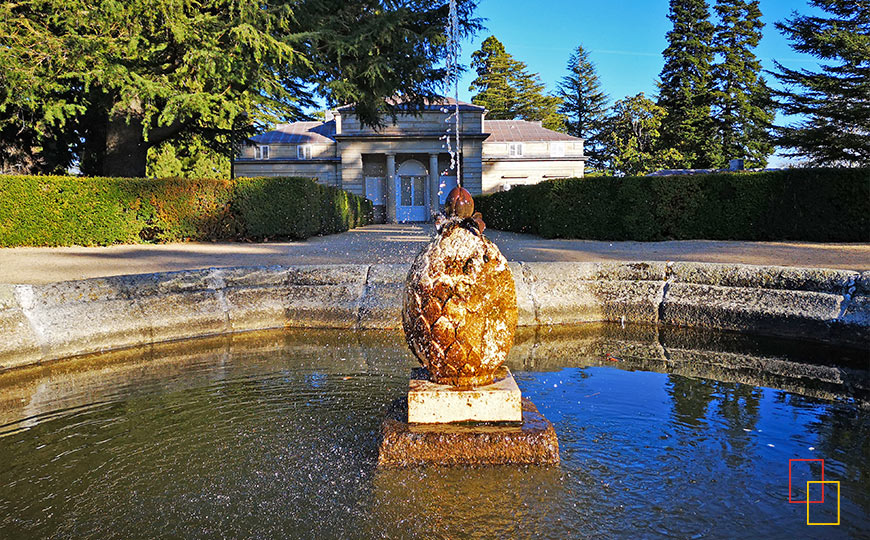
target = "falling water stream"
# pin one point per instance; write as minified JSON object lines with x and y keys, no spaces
{"x":453,"y":50}
{"x":453,"y":71}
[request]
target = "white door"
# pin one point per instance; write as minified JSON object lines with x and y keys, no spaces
{"x":411,"y":195}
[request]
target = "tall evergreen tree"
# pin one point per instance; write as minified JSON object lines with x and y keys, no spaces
{"x":685,"y":89}
{"x":743,"y":108}
{"x":508,"y":91}
{"x":631,"y":138}
{"x":535,"y":104}
{"x":584,"y":104}
{"x":495,"y":84}
{"x":834,"y":100}
{"x":120,"y":78}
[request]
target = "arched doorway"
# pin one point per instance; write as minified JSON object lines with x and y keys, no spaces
{"x":411,"y":192}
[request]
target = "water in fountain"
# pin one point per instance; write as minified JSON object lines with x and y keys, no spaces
{"x":273,"y":435}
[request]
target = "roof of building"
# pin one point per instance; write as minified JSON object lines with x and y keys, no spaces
{"x":521,"y":131}
{"x":324,"y":132}
{"x":299,"y":133}
{"x":430,"y":105}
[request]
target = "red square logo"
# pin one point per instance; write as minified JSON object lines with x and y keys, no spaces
{"x":789,"y":482}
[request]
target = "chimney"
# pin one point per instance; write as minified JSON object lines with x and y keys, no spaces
{"x":328,"y":115}
{"x":735,"y":165}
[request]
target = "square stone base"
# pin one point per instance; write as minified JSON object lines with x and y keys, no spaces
{"x":433,"y":403}
{"x":404,"y":444}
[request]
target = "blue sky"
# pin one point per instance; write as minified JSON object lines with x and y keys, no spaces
{"x":625,"y":39}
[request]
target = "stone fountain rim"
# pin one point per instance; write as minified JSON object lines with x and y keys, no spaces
{"x":49,"y":322}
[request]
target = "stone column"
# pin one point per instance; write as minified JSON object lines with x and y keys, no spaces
{"x":434,"y":180}
{"x":390,"y":188}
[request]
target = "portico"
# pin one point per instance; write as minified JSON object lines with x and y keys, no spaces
{"x":407,"y":180}
{"x":410,"y":186}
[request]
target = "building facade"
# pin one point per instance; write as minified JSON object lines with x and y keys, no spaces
{"x":404,"y":167}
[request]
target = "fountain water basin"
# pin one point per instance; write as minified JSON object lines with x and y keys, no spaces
{"x":662,"y":431}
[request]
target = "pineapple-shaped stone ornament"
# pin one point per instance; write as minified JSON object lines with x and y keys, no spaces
{"x":460,"y":304}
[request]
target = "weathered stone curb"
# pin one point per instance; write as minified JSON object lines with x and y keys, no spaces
{"x":46,"y":322}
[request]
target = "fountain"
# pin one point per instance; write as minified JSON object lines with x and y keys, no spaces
{"x":459,"y":317}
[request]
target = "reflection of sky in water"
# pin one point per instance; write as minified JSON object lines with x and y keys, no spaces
{"x":284,"y":444}
{"x":680,"y":446}
{"x":316,"y":379}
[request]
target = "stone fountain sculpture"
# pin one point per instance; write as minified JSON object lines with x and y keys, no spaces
{"x":460,"y":304}
{"x":459,"y":316}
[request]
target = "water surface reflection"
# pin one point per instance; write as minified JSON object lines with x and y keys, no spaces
{"x":662,"y":432}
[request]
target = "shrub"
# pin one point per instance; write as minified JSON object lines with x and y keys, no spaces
{"x":515,"y":210}
{"x":287,"y":207}
{"x":177,"y":209}
{"x":823,"y":205}
{"x":64,"y":210}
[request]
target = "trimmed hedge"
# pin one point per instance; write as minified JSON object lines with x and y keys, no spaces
{"x":819,"y":205}
{"x":66,"y":210}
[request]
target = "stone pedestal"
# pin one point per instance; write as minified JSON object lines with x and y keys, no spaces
{"x":433,"y":403}
{"x":403,"y":444}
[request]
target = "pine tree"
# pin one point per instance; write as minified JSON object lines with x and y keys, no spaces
{"x":495,"y":82}
{"x":508,"y":91}
{"x":742,"y":108}
{"x":631,"y":138}
{"x":534,"y":104}
{"x":584,"y":104}
{"x":834,"y":100}
{"x":685,"y":89}
{"x":119,"y":78}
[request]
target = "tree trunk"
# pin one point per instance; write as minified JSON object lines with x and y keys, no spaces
{"x":126,"y":149}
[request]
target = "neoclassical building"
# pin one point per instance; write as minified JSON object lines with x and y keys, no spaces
{"x":404,"y":167}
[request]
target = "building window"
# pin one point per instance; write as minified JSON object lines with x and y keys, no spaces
{"x":262,"y":152}
{"x":303,"y":151}
{"x":515,"y":149}
{"x":557,"y":149}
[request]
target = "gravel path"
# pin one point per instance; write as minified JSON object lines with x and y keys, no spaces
{"x":399,"y":244}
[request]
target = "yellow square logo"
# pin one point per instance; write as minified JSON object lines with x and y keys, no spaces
{"x":823,"y":482}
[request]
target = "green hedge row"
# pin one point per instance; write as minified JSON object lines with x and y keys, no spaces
{"x":65,"y":210}
{"x":820,"y":205}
